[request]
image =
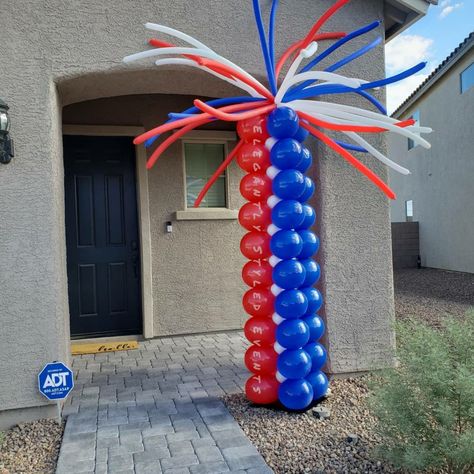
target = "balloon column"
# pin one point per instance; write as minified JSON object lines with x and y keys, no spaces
{"x":284,"y":327}
{"x":285,"y":357}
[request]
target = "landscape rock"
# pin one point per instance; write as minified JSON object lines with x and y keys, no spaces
{"x":321,"y":412}
{"x":31,"y":448}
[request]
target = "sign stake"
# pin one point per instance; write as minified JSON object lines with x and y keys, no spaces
{"x":58,"y":405}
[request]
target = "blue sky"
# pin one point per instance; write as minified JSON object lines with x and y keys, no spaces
{"x":432,"y":39}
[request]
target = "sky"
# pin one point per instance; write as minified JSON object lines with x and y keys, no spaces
{"x":430,"y":39}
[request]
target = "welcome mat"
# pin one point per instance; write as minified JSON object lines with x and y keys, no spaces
{"x":99,"y":347}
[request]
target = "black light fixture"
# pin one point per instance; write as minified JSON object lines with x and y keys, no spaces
{"x":6,"y":143}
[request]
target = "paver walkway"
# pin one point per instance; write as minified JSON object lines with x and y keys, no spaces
{"x":157,"y":409}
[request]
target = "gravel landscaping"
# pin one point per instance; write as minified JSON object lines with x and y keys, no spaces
{"x":31,"y":448}
{"x":344,"y":443}
{"x":301,"y":443}
{"x":431,"y":295}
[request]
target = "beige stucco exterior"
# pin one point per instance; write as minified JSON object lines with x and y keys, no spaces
{"x":63,"y":65}
{"x":440,"y":183}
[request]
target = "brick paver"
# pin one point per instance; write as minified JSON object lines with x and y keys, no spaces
{"x":158,"y":410}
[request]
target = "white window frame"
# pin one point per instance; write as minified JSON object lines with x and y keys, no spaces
{"x":208,"y":213}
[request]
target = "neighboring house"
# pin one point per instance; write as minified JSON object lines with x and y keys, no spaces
{"x":85,"y":249}
{"x":439,"y":192}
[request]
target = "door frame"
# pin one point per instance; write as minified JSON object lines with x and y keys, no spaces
{"x":143,"y":208}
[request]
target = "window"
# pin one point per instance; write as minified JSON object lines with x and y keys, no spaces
{"x":467,"y":78}
{"x":201,"y":160}
{"x":416,"y":118}
{"x":409,"y":210}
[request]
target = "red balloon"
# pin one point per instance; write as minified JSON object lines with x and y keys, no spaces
{"x":259,"y":302}
{"x":262,"y":389}
{"x":253,"y":158}
{"x":260,"y":331}
{"x":257,"y":273}
{"x":261,"y":360}
{"x":255,"y":245}
{"x":253,"y":130}
{"x":255,"y":216}
{"x":256,"y":187}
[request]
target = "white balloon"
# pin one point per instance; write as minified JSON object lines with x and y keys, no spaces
{"x":278,"y":348}
{"x":279,"y":377}
{"x":357,"y":111}
{"x":374,"y":152}
{"x":272,"y":171}
{"x":272,"y":229}
{"x":277,"y":319}
{"x":272,"y":201}
{"x":205,"y":53}
{"x":177,"y":34}
{"x":276,"y":290}
{"x":303,"y":54}
{"x":312,"y":107}
{"x":189,"y":62}
{"x":270,"y":142}
{"x":274,"y":260}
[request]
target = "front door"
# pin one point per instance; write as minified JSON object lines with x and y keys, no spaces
{"x":102,"y":236}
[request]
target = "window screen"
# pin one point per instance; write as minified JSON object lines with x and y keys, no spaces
{"x":467,"y":78}
{"x":201,"y":160}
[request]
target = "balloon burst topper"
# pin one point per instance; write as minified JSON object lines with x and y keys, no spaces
{"x":285,"y":357}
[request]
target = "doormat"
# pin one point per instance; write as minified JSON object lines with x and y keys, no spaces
{"x":98,"y":347}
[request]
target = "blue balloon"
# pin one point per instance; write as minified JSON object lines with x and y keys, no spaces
{"x":309,"y":217}
{"x":283,"y":122}
{"x":306,"y":160}
{"x":319,"y":383}
{"x":286,"y":154}
{"x":301,"y":134}
{"x":292,"y":333}
{"x":286,"y":244}
{"x":318,"y":355}
{"x":315,"y":325}
{"x":310,"y":243}
{"x":309,"y":188}
{"x":294,"y":363}
{"x":290,"y":304}
{"x":288,"y":214}
{"x":296,"y":394}
{"x":313,"y":272}
{"x":289,"y":184}
{"x":289,"y":274}
{"x":314,"y":298}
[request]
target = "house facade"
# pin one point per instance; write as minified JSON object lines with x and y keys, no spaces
{"x":93,"y":245}
{"x":438,"y":192}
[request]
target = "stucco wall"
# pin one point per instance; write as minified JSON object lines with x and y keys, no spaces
{"x":440,"y":183}
{"x":63,"y":52}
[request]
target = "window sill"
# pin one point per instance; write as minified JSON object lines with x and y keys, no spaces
{"x":206,"y":214}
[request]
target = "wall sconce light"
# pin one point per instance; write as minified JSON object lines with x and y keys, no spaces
{"x":6,"y":143}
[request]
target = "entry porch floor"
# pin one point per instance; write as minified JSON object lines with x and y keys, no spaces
{"x":158,"y":409}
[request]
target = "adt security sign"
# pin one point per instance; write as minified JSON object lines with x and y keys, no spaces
{"x":55,"y":381}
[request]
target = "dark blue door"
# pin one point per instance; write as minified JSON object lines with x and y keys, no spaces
{"x":102,"y":236}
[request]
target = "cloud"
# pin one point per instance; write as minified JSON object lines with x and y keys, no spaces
{"x":398,"y":92}
{"x":405,"y":51}
{"x":401,"y":53}
{"x":447,"y":7}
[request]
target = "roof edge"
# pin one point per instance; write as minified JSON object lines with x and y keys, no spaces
{"x":444,"y":67}
{"x":400,"y":14}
